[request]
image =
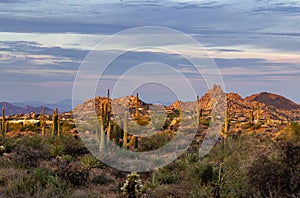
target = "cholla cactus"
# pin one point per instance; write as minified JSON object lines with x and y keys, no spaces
{"x":133,"y":185}
{"x":2,"y":150}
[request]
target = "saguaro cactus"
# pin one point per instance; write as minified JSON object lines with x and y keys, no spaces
{"x":117,"y":131}
{"x":105,"y":123}
{"x":201,"y":113}
{"x":59,"y":132}
{"x":3,"y":123}
{"x":258,"y":112}
{"x":251,"y":116}
{"x":125,"y":126}
{"x":133,"y":141}
{"x":137,"y":106}
{"x":197,"y":110}
{"x":55,"y":122}
{"x":226,"y":125}
{"x":136,"y":142}
{"x":269,"y":118}
{"x":102,"y":146}
{"x":43,"y":122}
{"x":108,"y":116}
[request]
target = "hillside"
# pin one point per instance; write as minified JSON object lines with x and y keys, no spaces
{"x":270,"y":106}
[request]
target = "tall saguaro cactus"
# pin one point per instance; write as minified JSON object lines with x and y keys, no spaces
{"x":55,"y":122}
{"x":251,"y":116}
{"x":137,"y":106}
{"x":102,"y":146}
{"x":125,"y":127}
{"x":59,"y":132}
{"x":258,"y":112}
{"x":105,"y":123}
{"x":43,"y":122}
{"x":133,"y":141}
{"x":197,"y":110}
{"x":3,"y":130}
{"x":108,"y":116}
{"x":226,"y":125}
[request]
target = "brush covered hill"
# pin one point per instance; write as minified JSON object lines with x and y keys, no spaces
{"x":274,"y":100}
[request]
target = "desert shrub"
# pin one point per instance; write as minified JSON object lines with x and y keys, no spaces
{"x":204,"y":122}
{"x":165,"y":177}
{"x":170,"y":174}
{"x":172,"y":191}
{"x":35,"y":142}
{"x":27,"y":157}
{"x":255,"y":126}
{"x":291,"y":133}
{"x":247,"y":125}
{"x":142,"y":121}
{"x":15,"y":127}
{"x":295,"y":128}
{"x":55,"y":186}
{"x":73,"y":174}
{"x":65,"y":126}
{"x":101,"y":179}
{"x":89,"y":162}
{"x":7,"y":143}
{"x":72,"y":147}
{"x":154,"y":142}
{"x":30,"y":185}
{"x":203,"y":172}
{"x":29,"y":127}
{"x":159,"y":123}
{"x":67,"y":158}
{"x":276,"y":175}
{"x":56,"y":150}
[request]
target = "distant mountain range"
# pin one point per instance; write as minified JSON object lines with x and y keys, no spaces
{"x":36,"y":107}
{"x":11,"y":109}
{"x":271,"y":105}
{"x":63,"y":106}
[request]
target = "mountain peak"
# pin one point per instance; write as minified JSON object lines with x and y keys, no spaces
{"x":274,"y":100}
{"x":216,"y":89}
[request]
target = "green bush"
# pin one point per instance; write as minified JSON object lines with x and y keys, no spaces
{"x":89,"y":162}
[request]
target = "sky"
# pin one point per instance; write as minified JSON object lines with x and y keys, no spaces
{"x":254,"y":43}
